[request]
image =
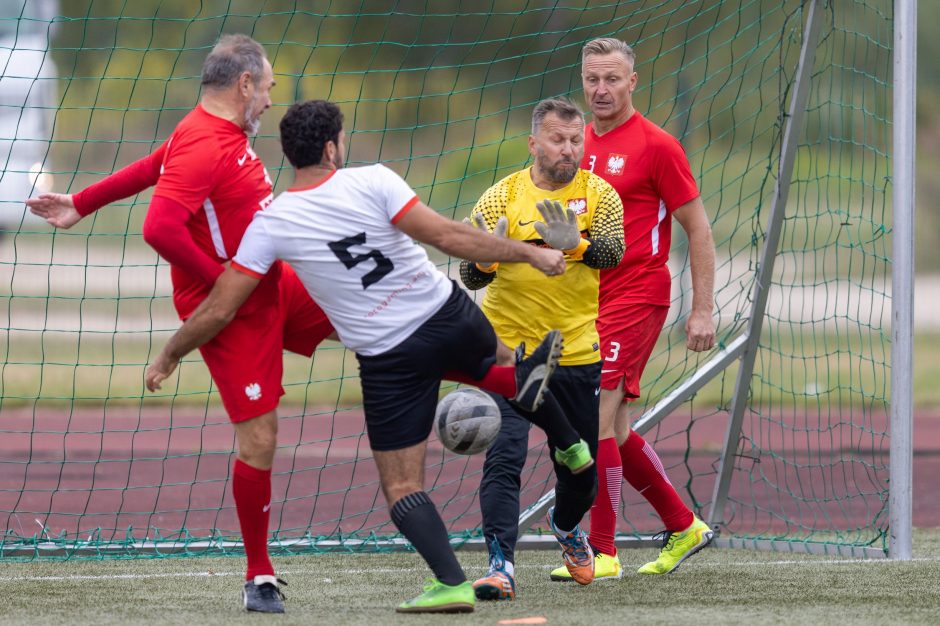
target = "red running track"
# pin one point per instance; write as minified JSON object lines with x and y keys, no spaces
{"x":76,"y":471}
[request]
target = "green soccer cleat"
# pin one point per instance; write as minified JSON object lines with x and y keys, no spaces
{"x":577,"y":458}
{"x":441,"y":598}
{"x":606,"y":567}
{"x":679,"y":546}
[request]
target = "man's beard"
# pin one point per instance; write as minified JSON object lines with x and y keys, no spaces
{"x":338,"y":160}
{"x":560,"y":172}
{"x":252,"y":121}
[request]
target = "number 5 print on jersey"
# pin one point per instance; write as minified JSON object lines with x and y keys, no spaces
{"x":383,"y":265}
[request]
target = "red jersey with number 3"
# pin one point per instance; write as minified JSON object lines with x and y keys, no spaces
{"x":648,"y":168}
{"x":210,"y":168}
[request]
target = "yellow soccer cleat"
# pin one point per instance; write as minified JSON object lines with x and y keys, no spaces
{"x":605,"y":567}
{"x":677,"y":547}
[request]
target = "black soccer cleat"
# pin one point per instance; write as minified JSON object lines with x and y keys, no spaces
{"x":263,"y":595}
{"x":533,"y":373}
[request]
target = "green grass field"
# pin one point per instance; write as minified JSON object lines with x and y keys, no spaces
{"x":716,"y":587}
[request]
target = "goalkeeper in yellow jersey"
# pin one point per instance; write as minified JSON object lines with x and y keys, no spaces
{"x":552,"y":203}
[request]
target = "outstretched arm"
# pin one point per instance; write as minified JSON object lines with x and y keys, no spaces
{"x":466,"y":242}
{"x":209,"y":318}
{"x":699,"y":327}
{"x":64,"y":210}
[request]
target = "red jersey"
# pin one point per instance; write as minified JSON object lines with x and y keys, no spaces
{"x":210,"y":168}
{"x":648,"y":168}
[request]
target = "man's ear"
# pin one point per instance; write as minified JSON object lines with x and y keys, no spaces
{"x":329,"y":152}
{"x":244,"y":82}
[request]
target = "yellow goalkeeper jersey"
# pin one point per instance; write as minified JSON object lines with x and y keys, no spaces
{"x":522,"y":303}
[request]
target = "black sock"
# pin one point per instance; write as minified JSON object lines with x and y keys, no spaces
{"x":574,"y":495}
{"x":551,"y":418}
{"x":420,"y":523}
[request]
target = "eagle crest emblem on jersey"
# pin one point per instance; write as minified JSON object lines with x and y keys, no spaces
{"x":578,"y":205}
{"x":615,"y":163}
{"x":253,"y":391}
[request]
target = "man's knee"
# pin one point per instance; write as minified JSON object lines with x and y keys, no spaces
{"x":401,"y":472}
{"x":257,"y":440}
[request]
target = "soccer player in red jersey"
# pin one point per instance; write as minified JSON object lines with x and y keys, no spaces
{"x":209,"y":184}
{"x":649,"y":169}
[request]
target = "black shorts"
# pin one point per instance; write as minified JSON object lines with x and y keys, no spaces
{"x":400,"y":387}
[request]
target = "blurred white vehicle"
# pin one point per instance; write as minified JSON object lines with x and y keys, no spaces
{"x":27,"y":106}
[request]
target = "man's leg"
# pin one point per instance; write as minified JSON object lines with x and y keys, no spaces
{"x":245,"y":361}
{"x":575,"y":388}
{"x":499,"y":503}
{"x":401,"y":473}
{"x":606,"y":507}
{"x":686,"y":534}
{"x":251,"y":487}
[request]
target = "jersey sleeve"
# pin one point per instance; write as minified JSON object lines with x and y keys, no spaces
{"x":190,"y":168}
{"x":673,"y":175}
{"x":492,"y":204}
{"x":607,"y":243}
{"x":257,"y":252}
{"x":124,"y":183}
{"x":393,"y":193}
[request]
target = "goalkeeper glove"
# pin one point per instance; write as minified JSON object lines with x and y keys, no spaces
{"x":560,"y":229}
{"x":502,"y":225}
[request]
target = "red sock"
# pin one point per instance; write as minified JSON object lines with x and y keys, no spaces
{"x":607,"y":503}
{"x":252,"y":490}
{"x":644,"y":471}
{"x":500,"y":379}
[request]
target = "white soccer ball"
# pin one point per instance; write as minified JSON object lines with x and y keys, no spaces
{"x":467,"y":421}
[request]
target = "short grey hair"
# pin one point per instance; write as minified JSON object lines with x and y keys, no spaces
{"x":231,"y":56}
{"x":608,"y":45}
{"x":561,"y":106}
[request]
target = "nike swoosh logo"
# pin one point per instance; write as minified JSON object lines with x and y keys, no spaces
{"x":242,"y":160}
{"x":521,"y":223}
{"x":535,"y":377}
{"x":607,"y":371}
{"x":266,"y":508}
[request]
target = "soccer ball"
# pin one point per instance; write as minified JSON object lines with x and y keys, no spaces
{"x":467,"y":421}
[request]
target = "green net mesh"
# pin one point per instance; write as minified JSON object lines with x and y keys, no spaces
{"x":442,"y":93}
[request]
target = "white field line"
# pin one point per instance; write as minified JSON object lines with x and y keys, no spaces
{"x":393,"y":570}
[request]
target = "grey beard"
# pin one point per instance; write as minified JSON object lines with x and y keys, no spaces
{"x":252,"y":126}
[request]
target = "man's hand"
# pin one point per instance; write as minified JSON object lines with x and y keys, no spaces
{"x":560,"y":229}
{"x":476,"y":220}
{"x":700,"y":331}
{"x":58,"y":209}
{"x":502,"y":225}
{"x":549,"y":262}
{"x":159,"y":370}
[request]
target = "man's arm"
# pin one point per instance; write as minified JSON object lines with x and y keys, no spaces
{"x":209,"y":318}
{"x":606,"y":244}
{"x":165,"y":230}
{"x":699,"y":327}
{"x":64,"y":210}
{"x":466,"y":242}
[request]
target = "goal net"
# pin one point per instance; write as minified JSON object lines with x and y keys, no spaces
{"x":442,"y":92}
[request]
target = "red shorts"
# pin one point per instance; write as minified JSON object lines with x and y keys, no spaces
{"x":628,"y":333}
{"x":245,"y":359}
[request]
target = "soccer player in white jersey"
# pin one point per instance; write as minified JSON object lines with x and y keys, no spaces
{"x":348,"y":234}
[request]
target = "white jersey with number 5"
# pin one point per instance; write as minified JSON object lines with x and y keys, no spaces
{"x":374,"y":283}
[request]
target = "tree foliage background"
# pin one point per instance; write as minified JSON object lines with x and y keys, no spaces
{"x":442,"y":91}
